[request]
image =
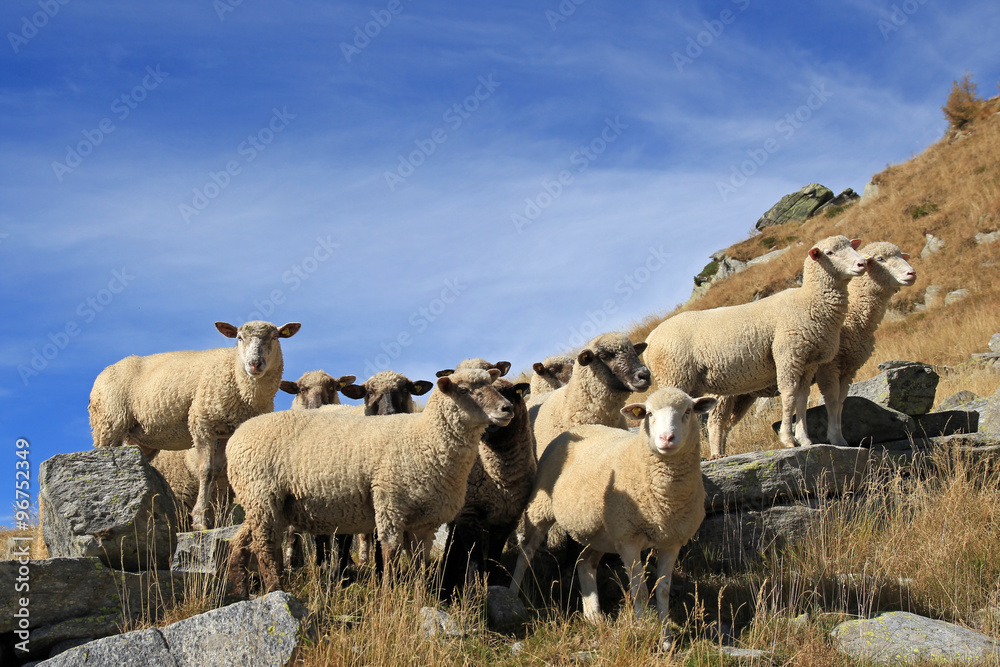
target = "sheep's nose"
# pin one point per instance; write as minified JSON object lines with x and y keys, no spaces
{"x":507,"y":408}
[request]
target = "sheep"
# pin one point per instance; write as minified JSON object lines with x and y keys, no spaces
{"x":315,"y":389}
{"x":501,"y":479}
{"x":179,"y":468}
{"x":606,"y":372}
{"x":616,"y":492}
{"x":329,"y":473}
{"x":780,"y":339}
{"x":552,"y":373}
{"x":478,"y":362}
{"x":179,"y":400}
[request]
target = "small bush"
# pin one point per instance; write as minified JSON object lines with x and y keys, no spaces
{"x":963,"y":103}
{"x":923,"y":210}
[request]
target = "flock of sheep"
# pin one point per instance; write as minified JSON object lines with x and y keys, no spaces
{"x":481,"y":457}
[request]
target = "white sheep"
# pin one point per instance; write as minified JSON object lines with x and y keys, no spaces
{"x":780,"y":339}
{"x":615,"y":492}
{"x":327,"y":473}
{"x":477,"y":363}
{"x":551,"y":373}
{"x":606,"y":373}
{"x":179,"y":468}
{"x":315,"y":389}
{"x":178,"y":400}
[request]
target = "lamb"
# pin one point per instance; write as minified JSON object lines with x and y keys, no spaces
{"x":606,"y":372}
{"x":501,"y":479}
{"x":179,"y":400}
{"x":616,"y":492}
{"x":552,"y":373}
{"x":329,"y":473}
{"x":315,"y":389}
{"x":781,"y":339}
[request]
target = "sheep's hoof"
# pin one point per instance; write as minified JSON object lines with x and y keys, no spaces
{"x":666,"y":643}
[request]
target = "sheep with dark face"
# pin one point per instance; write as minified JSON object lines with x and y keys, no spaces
{"x":179,"y":400}
{"x":315,"y":389}
{"x":551,"y":373}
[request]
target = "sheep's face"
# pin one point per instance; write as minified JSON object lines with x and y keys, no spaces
{"x":840,"y":256}
{"x":558,"y":370}
{"x":887,"y":265}
{"x":257,"y":343}
{"x":316,"y":389}
{"x":388,"y":393}
{"x":501,"y":437}
{"x":475,"y":394}
{"x":615,"y":361}
{"x":477,"y":363}
{"x":668,"y":418}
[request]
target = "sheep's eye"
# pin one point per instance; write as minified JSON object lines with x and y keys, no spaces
{"x":604,"y":355}
{"x":880,"y":259}
{"x":463,"y":390}
{"x":829,"y":252}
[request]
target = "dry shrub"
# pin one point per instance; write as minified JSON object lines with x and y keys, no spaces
{"x":963,"y":103}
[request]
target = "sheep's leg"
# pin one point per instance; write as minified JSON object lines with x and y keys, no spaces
{"x":344,"y":552}
{"x":496,"y":539}
{"x":631,"y":556}
{"x":666,"y":558}
{"x":205,"y":445}
{"x":294,"y":555}
{"x":324,"y":545}
{"x":364,"y":549}
{"x":718,"y":426}
{"x":239,"y":557}
{"x":267,"y":548}
{"x":586,"y":571}
{"x":828,"y":381}
{"x":801,"y":406}
{"x":534,"y":535}
{"x":790,"y":384}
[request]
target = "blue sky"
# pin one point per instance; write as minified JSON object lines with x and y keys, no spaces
{"x":492,"y":180}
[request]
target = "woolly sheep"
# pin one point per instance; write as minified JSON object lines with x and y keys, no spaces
{"x":178,"y":400}
{"x":478,"y":363}
{"x":180,"y":468}
{"x":328,"y":473}
{"x":501,"y":480}
{"x":616,"y":492}
{"x":315,"y":389}
{"x":552,"y":373}
{"x":780,"y":339}
{"x":606,"y":373}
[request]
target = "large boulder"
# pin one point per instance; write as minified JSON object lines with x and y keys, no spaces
{"x":901,"y":637}
{"x":736,"y":539}
{"x":906,"y":386}
{"x":260,"y":632}
{"x":108,"y":503}
{"x":862,"y":423}
{"x":73,"y":598}
{"x":796,"y":206}
{"x":846,"y":197}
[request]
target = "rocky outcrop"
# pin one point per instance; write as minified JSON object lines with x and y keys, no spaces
{"x":845,"y":198}
{"x":905,"y":386}
{"x":796,"y":206}
{"x":904,"y":638}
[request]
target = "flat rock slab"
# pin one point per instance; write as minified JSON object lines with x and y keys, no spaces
{"x":265,"y":631}
{"x":736,"y":539}
{"x":108,"y":503}
{"x":901,"y":637}
{"x":947,"y":422}
{"x":761,"y":479}
{"x":863,"y":422}
{"x":203,"y":551}
{"x":908,"y":387}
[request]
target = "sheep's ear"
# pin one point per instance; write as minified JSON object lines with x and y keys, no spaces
{"x":639,"y":348}
{"x":855,"y":243}
{"x":289,"y":329}
{"x":704,"y":404}
{"x":420,"y":387}
{"x":345,"y":380}
{"x":445,"y":383}
{"x":503,"y":367}
{"x":522,"y":388}
{"x":289,"y":387}
{"x":815,"y":252}
{"x":445,"y":373}
{"x":585,"y":357}
{"x":539,"y":367}
{"x":226,"y":329}
{"x":635,"y":410}
{"x":354,"y":391}
{"x":904,"y":255}
{"x":494,"y":374}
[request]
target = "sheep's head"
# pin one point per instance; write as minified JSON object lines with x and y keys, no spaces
{"x":500,"y":437}
{"x":887,"y":265}
{"x":475,"y":394}
{"x":670,"y":421}
{"x":615,"y":361}
{"x":257,"y":343}
{"x":557,"y":370}
{"x":839,"y":255}
{"x":316,"y":388}
{"x":388,"y":393}
{"x":481,"y":364}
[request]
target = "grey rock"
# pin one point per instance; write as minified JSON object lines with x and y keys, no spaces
{"x":437,"y":623}
{"x":863,"y":423}
{"x":517,"y":648}
{"x":988,"y":237}
{"x":583,"y":657}
{"x":768,"y":257}
{"x":108,"y":503}
{"x":994,"y":344}
{"x":800,"y":622}
{"x":796,"y":206}
{"x":265,"y":631}
{"x":955,"y":296}
{"x":203,"y":551}
{"x":870,"y":192}
{"x":67,"y":644}
{"x":846,"y":197}
{"x":957,"y":400}
{"x":989,"y":415}
{"x":902,"y":637}
{"x":947,"y":422}
{"x":933,"y":296}
{"x":751,"y":655}
{"x":908,"y":388}
{"x":504,"y":610}
{"x":933,"y":246}
{"x":736,"y":539}
{"x":764,"y":478}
